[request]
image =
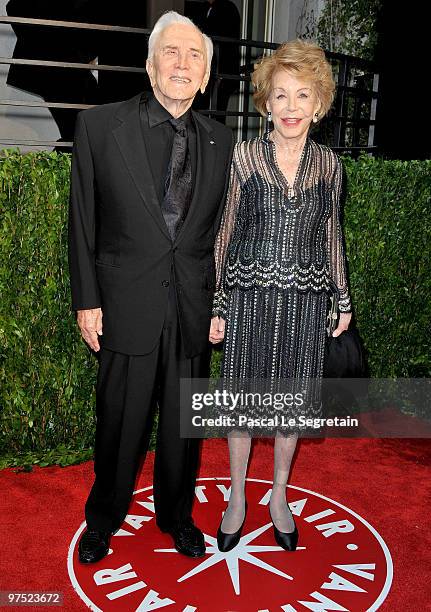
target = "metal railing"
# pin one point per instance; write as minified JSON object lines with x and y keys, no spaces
{"x":349,"y":127}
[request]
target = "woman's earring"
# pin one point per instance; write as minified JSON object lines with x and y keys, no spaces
{"x":315,"y":117}
{"x":269,"y":116}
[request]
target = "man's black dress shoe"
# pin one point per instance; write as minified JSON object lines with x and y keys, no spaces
{"x":287,"y":540}
{"x":94,"y":545}
{"x":188,"y":539}
{"x":227,"y":541}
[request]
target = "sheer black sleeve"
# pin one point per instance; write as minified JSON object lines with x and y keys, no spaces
{"x":221,"y":296}
{"x":335,"y":246}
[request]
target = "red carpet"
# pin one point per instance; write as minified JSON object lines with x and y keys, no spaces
{"x":378,"y":487}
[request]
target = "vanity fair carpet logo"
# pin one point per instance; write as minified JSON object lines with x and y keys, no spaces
{"x":341,"y":562}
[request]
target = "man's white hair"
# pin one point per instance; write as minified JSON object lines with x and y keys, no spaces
{"x":170,"y":18}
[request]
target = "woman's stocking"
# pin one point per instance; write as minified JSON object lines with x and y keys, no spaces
{"x":239,"y":451}
{"x":284,"y":448}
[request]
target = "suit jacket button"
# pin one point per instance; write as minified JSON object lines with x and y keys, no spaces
{"x":165,"y":283}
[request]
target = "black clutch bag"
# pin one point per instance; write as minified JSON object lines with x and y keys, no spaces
{"x":344,"y":355}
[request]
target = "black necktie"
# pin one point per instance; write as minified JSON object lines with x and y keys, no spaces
{"x":178,"y":183}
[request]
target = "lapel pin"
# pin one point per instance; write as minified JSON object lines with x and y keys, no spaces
{"x":212,"y":142}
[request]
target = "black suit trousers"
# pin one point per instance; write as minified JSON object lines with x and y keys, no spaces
{"x":128,"y":389}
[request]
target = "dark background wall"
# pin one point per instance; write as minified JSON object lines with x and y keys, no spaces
{"x":404,"y":109}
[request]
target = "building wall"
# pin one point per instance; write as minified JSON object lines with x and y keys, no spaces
{"x":20,"y":123}
{"x":290,"y":17}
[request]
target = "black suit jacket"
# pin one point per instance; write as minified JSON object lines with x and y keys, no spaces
{"x":121,"y":257}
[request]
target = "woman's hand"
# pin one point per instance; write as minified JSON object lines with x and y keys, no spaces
{"x":343,"y":323}
{"x":216,"y":330}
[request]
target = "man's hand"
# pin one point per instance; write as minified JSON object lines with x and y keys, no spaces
{"x":343,"y":323}
{"x":90,"y":324}
{"x":216,"y":330}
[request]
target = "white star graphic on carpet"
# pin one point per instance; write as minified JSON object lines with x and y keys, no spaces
{"x":242,"y":551}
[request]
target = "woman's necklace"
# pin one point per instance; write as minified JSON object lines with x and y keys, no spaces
{"x":297,"y":162}
{"x":286,"y":149}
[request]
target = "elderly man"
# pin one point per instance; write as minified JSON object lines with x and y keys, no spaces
{"x":149,"y":178}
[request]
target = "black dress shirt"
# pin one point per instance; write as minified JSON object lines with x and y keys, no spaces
{"x":159,"y":136}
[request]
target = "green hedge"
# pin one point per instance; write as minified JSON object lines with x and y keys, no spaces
{"x":47,"y":374}
{"x":387,"y":224}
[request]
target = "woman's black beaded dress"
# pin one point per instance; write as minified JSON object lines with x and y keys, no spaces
{"x":278,"y":249}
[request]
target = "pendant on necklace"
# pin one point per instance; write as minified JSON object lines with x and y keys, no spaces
{"x":292,"y":198}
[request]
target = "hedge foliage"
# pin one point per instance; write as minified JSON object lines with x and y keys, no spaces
{"x":47,"y":374}
{"x":387,"y":225}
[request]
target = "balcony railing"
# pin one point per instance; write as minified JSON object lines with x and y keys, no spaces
{"x":349,"y":127}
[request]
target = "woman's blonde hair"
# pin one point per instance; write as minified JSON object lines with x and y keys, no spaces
{"x":306,"y":61}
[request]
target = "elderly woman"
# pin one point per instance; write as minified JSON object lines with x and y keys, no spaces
{"x":278,"y":250}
